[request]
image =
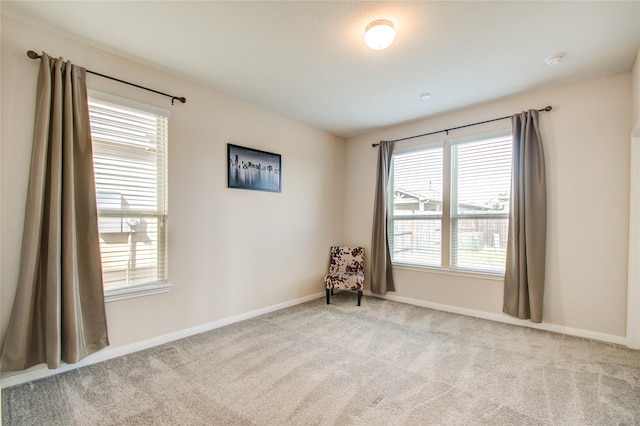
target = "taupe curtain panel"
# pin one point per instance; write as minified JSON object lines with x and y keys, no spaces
{"x":381,"y":272}
{"x":526,"y":245}
{"x":58,"y":312}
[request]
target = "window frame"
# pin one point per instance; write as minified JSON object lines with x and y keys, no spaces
{"x":449,"y":213}
{"x":156,"y":286}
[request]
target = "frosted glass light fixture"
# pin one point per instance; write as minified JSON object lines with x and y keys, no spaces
{"x":379,"y":34}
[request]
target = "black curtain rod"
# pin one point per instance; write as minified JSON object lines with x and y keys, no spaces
{"x":34,"y":55}
{"x":455,"y":128}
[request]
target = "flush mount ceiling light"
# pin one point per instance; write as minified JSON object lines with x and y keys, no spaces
{"x":379,"y":34}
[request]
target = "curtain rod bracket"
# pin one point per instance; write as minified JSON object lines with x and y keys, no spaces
{"x":182,"y":99}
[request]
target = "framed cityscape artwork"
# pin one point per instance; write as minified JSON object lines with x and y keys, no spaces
{"x":249,"y":168}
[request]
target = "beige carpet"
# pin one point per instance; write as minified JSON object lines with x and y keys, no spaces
{"x":383,"y":363}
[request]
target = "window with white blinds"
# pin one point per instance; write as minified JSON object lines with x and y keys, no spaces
{"x":450,"y":204}
{"x":130,"y":161}
{"x":480,"y":188}
{"x":417,"y":206}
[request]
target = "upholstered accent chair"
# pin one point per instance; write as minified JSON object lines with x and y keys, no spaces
{"x":346,"y":271}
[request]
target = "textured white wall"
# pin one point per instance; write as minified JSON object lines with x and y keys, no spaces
{"x":230,"y":251}
{"x":636,"y":90}
{"x":633,"y":293}
{"x":586,"y":140}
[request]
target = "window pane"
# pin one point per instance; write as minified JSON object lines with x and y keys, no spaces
{"x":417,"y":183}
{"x":132,"y":173}
{"x":133,"y":257}
{"x":480,"y":244}
{"x":481,"y":176}
{"x":417,"y":241}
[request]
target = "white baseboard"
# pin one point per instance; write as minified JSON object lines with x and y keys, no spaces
{"x":40,"y":371}
{"x":504,"y":318}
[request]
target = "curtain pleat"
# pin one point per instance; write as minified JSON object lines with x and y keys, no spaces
{"x":526,"y":244}
{"x":381,"y":270}
{"x":59,"y":312}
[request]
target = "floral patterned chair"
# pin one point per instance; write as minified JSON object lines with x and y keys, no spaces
{"x":346,"y":271}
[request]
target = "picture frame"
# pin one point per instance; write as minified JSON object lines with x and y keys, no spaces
{"x":253,"y":169}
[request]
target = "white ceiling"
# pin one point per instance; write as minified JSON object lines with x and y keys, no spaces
{"x":307,"y":60}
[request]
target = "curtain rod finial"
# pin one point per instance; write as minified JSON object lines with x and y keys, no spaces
{"x":548,"y":108}
{"x":33,"y":55}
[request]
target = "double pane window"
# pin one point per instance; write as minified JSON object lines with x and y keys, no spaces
{"x":450,"y":204}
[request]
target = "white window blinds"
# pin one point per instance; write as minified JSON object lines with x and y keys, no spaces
{"x":130,"y":161}
{"x":417,"y":206}
{"x":480,"y":189}
{"x":450,"y":204}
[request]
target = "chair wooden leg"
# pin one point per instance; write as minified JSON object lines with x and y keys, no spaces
{"x":332,"y":292}
{"x":328,"y":292}
{"x":359,"y":297}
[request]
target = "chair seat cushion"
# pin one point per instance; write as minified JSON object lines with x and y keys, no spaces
{"x":344,"y":281}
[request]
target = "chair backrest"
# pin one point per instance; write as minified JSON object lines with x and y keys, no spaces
{"x":347,"y":259}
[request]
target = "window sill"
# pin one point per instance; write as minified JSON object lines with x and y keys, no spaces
{"x":130,"y":292}
{"x":456,"y":272}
